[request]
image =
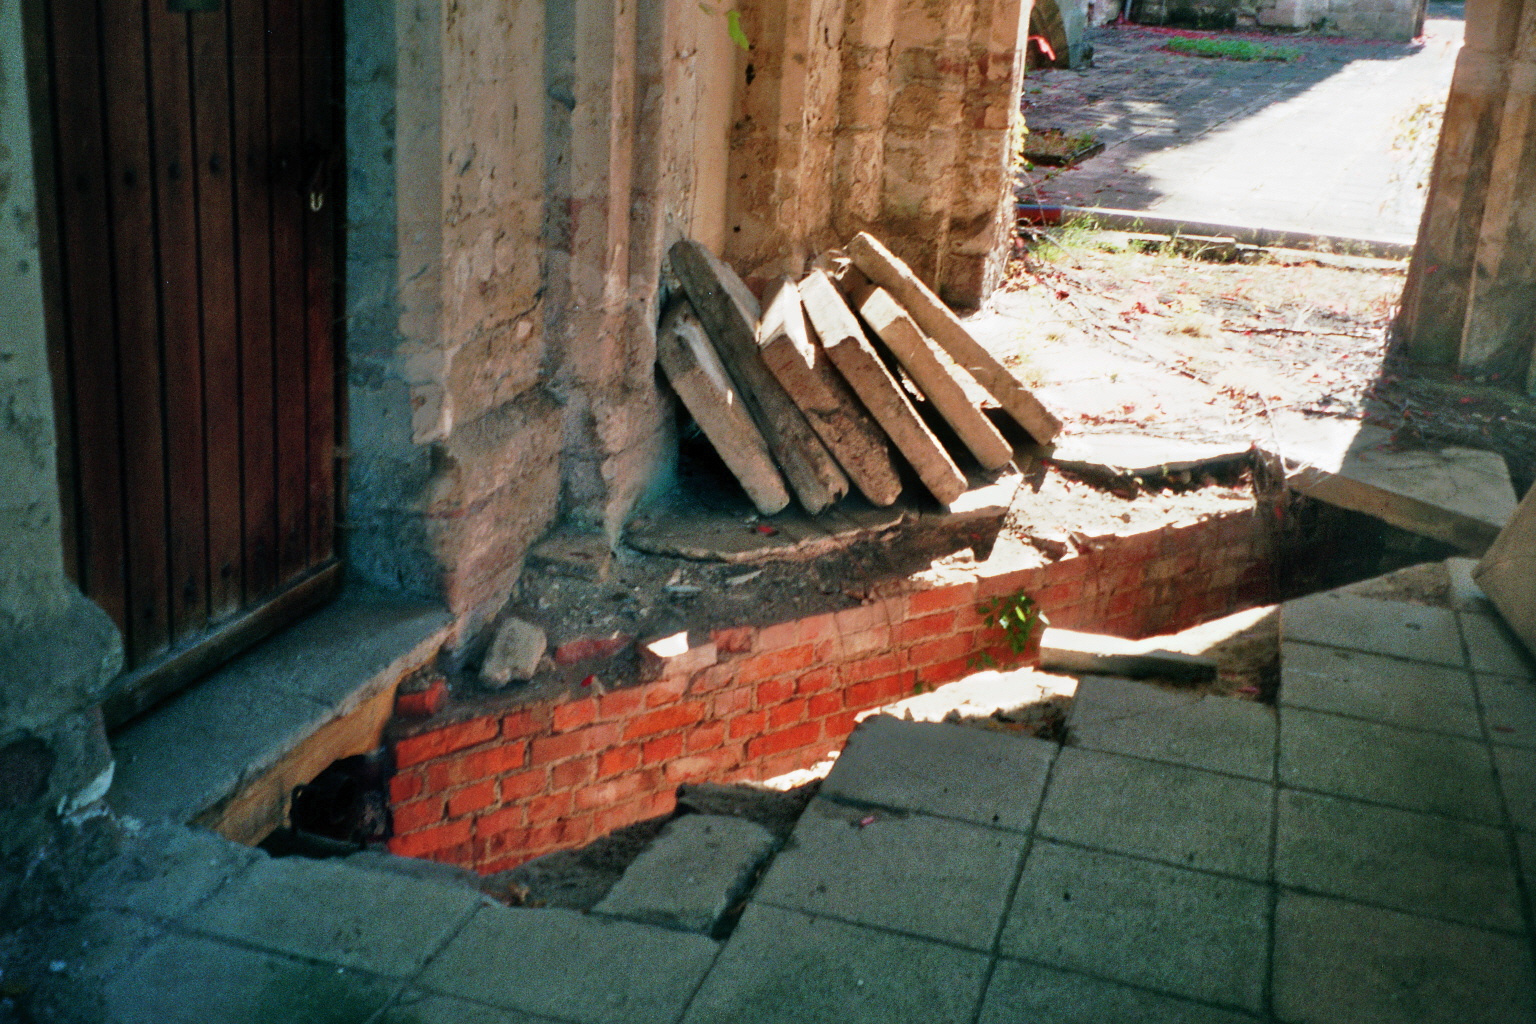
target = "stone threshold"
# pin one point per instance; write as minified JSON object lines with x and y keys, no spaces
{"x":226,"y":753}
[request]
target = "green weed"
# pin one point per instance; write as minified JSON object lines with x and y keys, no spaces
{"x":1232,"y":49}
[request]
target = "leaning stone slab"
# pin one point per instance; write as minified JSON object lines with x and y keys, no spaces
{"x":1461,"y":496}
{"x":730,"y":315}
{"x":843,"y":338}
{"x":1065,"y":650}
{"x":691,"y":874}
{"x":1507,"y":573}
{"x":884,"y":269}
{"x":887,"y":319}
{"x":700,"y":380}
{"x":832,"y":410}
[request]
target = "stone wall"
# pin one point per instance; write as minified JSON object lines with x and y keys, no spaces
{"x":1396,"y":20}
{"x":489,"y":787}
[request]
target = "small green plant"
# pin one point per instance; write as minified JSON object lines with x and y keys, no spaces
{"x":1017,"y":616}
{"x":1232,"y":49}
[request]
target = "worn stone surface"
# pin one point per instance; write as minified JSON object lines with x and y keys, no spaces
{"x":1219,"y":734}
{"x":833,"y":411}
{"x":1507,"y":572}
{"x":1177,"y":931}
{"x":691,"y":874}
{"x":1509,"y":709}
{"x":697,"y":375}
{"x":730,"y":316}
{"x":1493,"y":647}
{"x":1418,"y":863}
{"x":850,"y":351}
{"x":1405,"y":693}
{"x":166,"y":870}
{"x":986,"y":778}
{"x":874,"y":867}
{"x":1393,"y":628}
{"x":1021,"y":992}
{"x":515,"y":653}
{"x":1462,"y":496}
{"x":936,"y":380}
{"x":1066,"y":650}
{"x":936,"y":320}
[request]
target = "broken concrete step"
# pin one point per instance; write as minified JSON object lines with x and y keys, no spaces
{"x":1066,"y":650}
{"x":816,"y":387}
{"x":1461,"y":496}
{"x":700,"y":380}
{"x":692,"y":874}
{"x":1507,"y":573}
{"x":902,"y":336}
{"x":884,"y":269}
{"x":850,"y":351}
{"x":730,"y":315}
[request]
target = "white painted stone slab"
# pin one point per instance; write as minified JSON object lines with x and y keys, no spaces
{"x":1507,"y":572}
{"x":1140,"y":454}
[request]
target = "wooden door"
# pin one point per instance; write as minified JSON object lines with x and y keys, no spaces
{"x":193,"y":293}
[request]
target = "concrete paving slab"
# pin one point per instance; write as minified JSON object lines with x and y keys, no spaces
{"x":188,"y":979}
{"x":418,"y":1007}
{"x":166,"y":870}
{"x":984,"y":777}
{"x":1509,"y":709}
{"x":1165,"y":812}
{"x":569,"y":965}
{"x":369,"y":920}
{"x":1343,"y":963}
{"x":908,"y":872}
{"x":1178,"y":931}
{"x":1507,"y":572}
{"x":1525,"y":844}
{"x":1418,"y":863}
{"x":1516,"y":768}
{"x":792,"y":968}
{"x":1461,"y":496}
{"x":1411,"y":694}
{"x":691,"y":874}
{"x":1493,"y":647}
{"x":1410,"y":631}
{"x":1215,"y":733}
{"x":1066,"y":650}
{"x":1416,"y":771}
{"x":1027,"y":992}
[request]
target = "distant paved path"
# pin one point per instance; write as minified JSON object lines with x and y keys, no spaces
{"x":1336,"y":142}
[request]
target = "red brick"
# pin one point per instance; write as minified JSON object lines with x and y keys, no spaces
{"x":702,"y":767}
{"x":571,"y":773}
{"x":941,"y":599}
{"x":549,"y":807}
{"x":432,"y":840}
{"x":713,"y":678}
{"x":678,"y":716}
{"x":773,"y":691}
{"x":471,"y":798}
{"x":749,"y":724}
{"x":665,"y":691}
{"x":778,"y":636}
{"x":816,"y":681}
{"x":948,"y":671}
{"x":614,"y":791}
{"x":423,"y":703}
{"x":620,"y":703}
{"x":824,"y":704}
{"x":519,"y":723}
{"x":417,"y":815}
{"x":776,"y":663}
{"x":818,"y":627}
{"x":729,"y":702}
{"x":663,"y":749}
{"x":787,"y":739}
{"x":872,"y":668}
{"x":939,"y":624}
{"x":789,"y":761}
{"x":1123,"y":603}
{"x":1005,"y":583}
{"x":437,"y":742}
{"x":589,"y":648}
{"x":523,"y":785}
{"x":542,"y":838}
{"x":737,"y":640}
{"x":707,"y":736}
{"x":577,"y":830}
{"x":863,"y":695}
{"x":507,"y":819}
{"x":557,"y":748}
{"x":945,"y":649}
{"x":612,"y":818}
{"x":617,"y":761}
{"x":575,"y":714}
{"x":856,"y":620}
{"x":839,"y":726}
{"x":788,"y":713}
{"x":657,"y":804}
{"x":479,"y":764}
{"x":405,"y":786}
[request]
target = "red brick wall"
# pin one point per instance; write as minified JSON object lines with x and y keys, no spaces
{"x":491,"y":792}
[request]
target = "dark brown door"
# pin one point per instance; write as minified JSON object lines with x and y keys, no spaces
{"x":193,"y":293}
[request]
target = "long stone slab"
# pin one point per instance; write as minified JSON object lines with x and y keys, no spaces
{"x":1507,"y":572}
{"x":694,"y":370}
{"x":1461,"y":496}
{"x":882,"y":267}
{"x":850,"y":351}
{"x":902,"y":336}
{"x":833,"y":411}
{"x":730,"y":315}
{"x":1066,"y":650}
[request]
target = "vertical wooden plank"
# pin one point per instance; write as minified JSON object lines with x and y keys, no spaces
{"x":251,"y":164}
{"x":181,"y":335}
{"x":322,"y":148}
{"x":286,"y":133}
{"x":221,"y":342}
{"x":131,"y":199}
{"x":89,"y":342}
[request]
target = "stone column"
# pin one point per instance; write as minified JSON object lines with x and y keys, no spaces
{"x":1500,"y":330}
{"x":1434,"y":304}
